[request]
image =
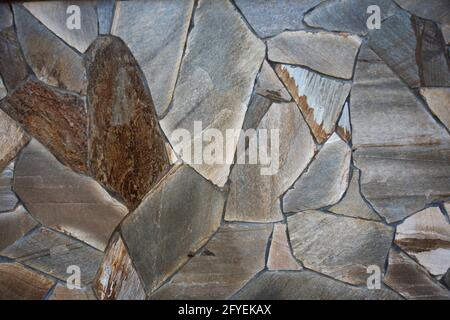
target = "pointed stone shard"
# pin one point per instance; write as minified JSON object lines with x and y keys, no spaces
{"x":352,"y":204}
{"x":319,"y":98}
{"x":63,"y":200}
{"x":117,"y":279}
{"x":155,"y":32}
{"x":216,"y":79}
{"x":3,"y":91}
{"x":410,"y":280}
{"x":175,"y":219}
{"x":61,"y":292}
{"x":426,"y":237}
{"x":254,"y":193}
{"x":127,"y":152}
{"x":14,"y":225}
{"x":6,"y":17}
{"x":338,"y":246}
{"x":12,"y":139}
{"x":8,"y":199}
{"x":437,"y":10}
{"x":57,"y":15}
{"x":20,"y":283}
{"x":307,"y":285}
{"x":438,"y":99}
{"x":347,"y":15}
{"x":329,"y":53}
{"x":50,"y":58}
{"x":268,"y":85}
{"x":324,"y":182}
{"x":344,"y":128}
{"x":105,"y":13}
{"x":257,"y":109}
{"x":223,"y":267}
{"x":280,"y":255}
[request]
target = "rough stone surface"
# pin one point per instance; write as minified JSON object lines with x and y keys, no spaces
{"x":222,"y":267}
{"x":13,"y":225}
{"x":12,"y":139}
{"x":257,"y":109}
{"x":175,"y":219}
{"x":329,"y":53}
{"x":268,"y":85}
{"x":6,"y":17}
{"x":445,"y":29}
{"x":338,"y":246}
{"x":155,"y":32}
{"x":280,"y":255}
{"x":61,"y":292}
{"x":437,"y":10}
{"x":63,"y":200}
{"x":127,"y":153}
{"x":438,"y":99}
{"x":325,"y":180}
{"x":344,"y":128}
{"x":319,"y":98}
{"x":105,"y":13}
{"x":216,"y":78}
{"x":3,"y":91}
{"x":8,"y":199}
{"x":253,"y":195}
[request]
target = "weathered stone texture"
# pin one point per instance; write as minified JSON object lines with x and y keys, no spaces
{"x":280,"y":255}
{"x":14,"y":225}
{"x":61,"y":292}
{"x":12,"y":139}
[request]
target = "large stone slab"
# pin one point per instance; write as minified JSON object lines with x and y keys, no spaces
{"x":56,"y":15}
{"x":61,"y":292}
{"x":338,"y":246}
{"x":216,"y":79}
{"x":280,"y":255}
{"x":438,"y":99}
{"x":231,"y":258}
{"x":329,"y":53}
{"x":437,"y":10}
{"x":174,"y":220}
{"x":319,"y":98}
{"x":8,"y":199}
{"x":268,"y":85}
{"x":126,"y":149}
{"x":63,"y":200}
{"x":14,"y":225}
{"x":325,"y":180}
{"x":254,"y":195}
{"x":155,"y":32}
{"x":12,"y":139}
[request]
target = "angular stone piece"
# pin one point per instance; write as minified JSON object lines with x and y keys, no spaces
{"x":175,"y":219}
{"x":410,"y":280}
{"x":344,"y":128}
{"x":127,"y":152}
{"x":13,"y":225}
{"x":426,"y":237}
{"x":445,"y":29}
{"x":12,"y":139}
{"x":117,"y":279}
{"x":325,"y":180}
{"x":52,"y":253}
{"x":438,"y":99}
{"x":329,"y":53}
{"x":3,"y":91}
{"x":255,"y":189}
{"x":257,"y":109}
{"x":61,"y":292}
{"x":270,"y":17}
{"x":338,"y":246}
{"x":6,"y":17}
{"x":20,"y":283}
{"x":56,"y":15}
{"x":307,"y":285}
{"x":216,"y":79}
{"x":268,"y":85}
{"x":8,"y":199}
{"x":352,"y":204}
{"x":51,"y":59}
{"x":222,"y":267}
{"x":437,"y":10}
{"x":347,"y":15}
{"x":105,"y":13}
{"x":155,"y":32}
{"x":319,"y":98}
{"x":446,"y":279}
{"x":63,"y":200}
{"x":280,"y":255}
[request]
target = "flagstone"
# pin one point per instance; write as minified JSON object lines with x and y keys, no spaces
{"x":344,"y":128}
{"x":437,"y":10}
{"x":268,"y":85}
{"x":14,"y":225}
{"x":62,"y":292}
{"x":12,"y":139}
{"x":280,"y":255}
{"x":438,"y":99}
{"x":105,"y":14}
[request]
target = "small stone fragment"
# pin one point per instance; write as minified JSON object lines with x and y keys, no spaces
{"x":438,"y":99}
{"x":257,"y":109}
{"x":8,"y":199}
{"x":280,"y":255}
{"x":436,"y":10}
{"x":268,"y":85}
{"x":105,"y":13}
{"x":3,"y":91}
{"x":62,"y":292}
{"x":12,"y":139}
{"x":344,"y":128}
{"x":14,"y":225}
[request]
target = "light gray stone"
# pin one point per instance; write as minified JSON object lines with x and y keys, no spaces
{"x":344,"y":128}
{"x":3,"y":91}
{"x":280,"y":255}
{"x":14,"y":225}
{"x":257,"y":109}
{"x":437,"y":10}
{"x":438,"y":99}
{"x":8,"y":199}
{"x":268,"y":85}
{"x":105,"y":13}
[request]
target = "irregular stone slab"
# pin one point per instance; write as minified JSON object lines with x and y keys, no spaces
{"x":325,"y":180}
{"x":56,"y":119}
{"x":402,"y":180}
{"x":216,"y":79}
{"x":52,"y":253}
{"x":347,"y":15}
{"x":437,"y":10}
{"x":63,"y":200}
{"x":426,"y":237}
{"x":307,"y":285}
{"x":338,"y":246}
{"x":352,"y":204}
{"x":329,"y":53}
{"x":257,"y":109}
{"x":105,"y":13}
{"x":280,"y":255}
{"x":269,"y":18}
{"x":53,"y":14}
{"x":410,"y":280}
{"x":254,"y":195}
{"x":268,"y":85}
{"x":3,"y":91}
{"x":6,"y":17}
{"x":344,"y":128}
{"x":13,"y":225}
{"x":61,"y":292}
{"x":20,"y":283}
{"x":175,"y":219}
{"x":155,"y":32}
{"x":8,"y":199}
{"x":319,"y":98}
{"x":12,"y":139}
{"x":438,"y":99}
{"x":222,"y":267}
{"x":51,"y":59}
{"x":117,"y":279}
{"x":127,"y":152}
